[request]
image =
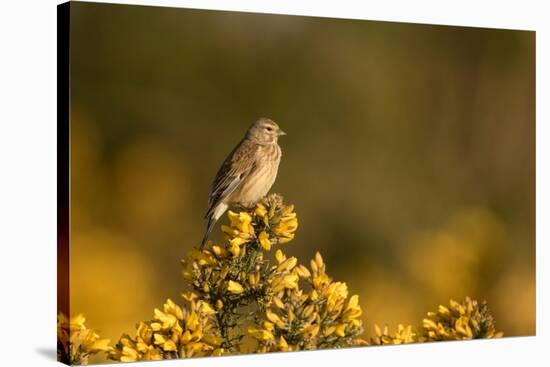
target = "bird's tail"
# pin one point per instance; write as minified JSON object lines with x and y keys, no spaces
{"x":213,"y":216}
{"x":211,"y":222}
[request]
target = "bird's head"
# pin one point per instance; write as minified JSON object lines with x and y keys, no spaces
{"x":264,"y":131}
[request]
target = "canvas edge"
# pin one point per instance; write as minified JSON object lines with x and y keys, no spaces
{"x":63,"y":168}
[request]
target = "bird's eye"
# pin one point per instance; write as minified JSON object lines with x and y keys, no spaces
{"x":269,"y":128}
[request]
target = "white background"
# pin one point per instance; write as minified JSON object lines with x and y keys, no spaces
{"x":28,"y":181}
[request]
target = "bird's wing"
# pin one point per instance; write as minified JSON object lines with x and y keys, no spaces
{"x":233,"y":171}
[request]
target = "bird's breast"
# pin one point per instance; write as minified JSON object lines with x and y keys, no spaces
{"x":259,"y":181}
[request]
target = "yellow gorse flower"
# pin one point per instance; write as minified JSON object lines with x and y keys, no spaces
{"x":264,"y":240}
{"x":286,"y":228}
{"x":260,"y":334}
{"x":260,"y":210}
{"x":234,"y":287}
{"x":241,"y":221}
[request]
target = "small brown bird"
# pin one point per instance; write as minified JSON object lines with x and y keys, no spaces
{"x":247,"y":173}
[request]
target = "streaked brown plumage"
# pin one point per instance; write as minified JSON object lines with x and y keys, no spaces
{"x":247,"y":173}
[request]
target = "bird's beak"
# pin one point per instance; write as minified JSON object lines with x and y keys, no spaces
{"x":281,"y":132}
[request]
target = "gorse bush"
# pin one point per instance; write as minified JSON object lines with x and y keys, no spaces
{"x":75,"y":342}
{"x":175,"y":332}
{"x":459,"y":321}
{"x":239,"y":297}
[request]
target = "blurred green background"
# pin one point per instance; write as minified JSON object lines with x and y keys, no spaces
{"x":410,"y":154}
